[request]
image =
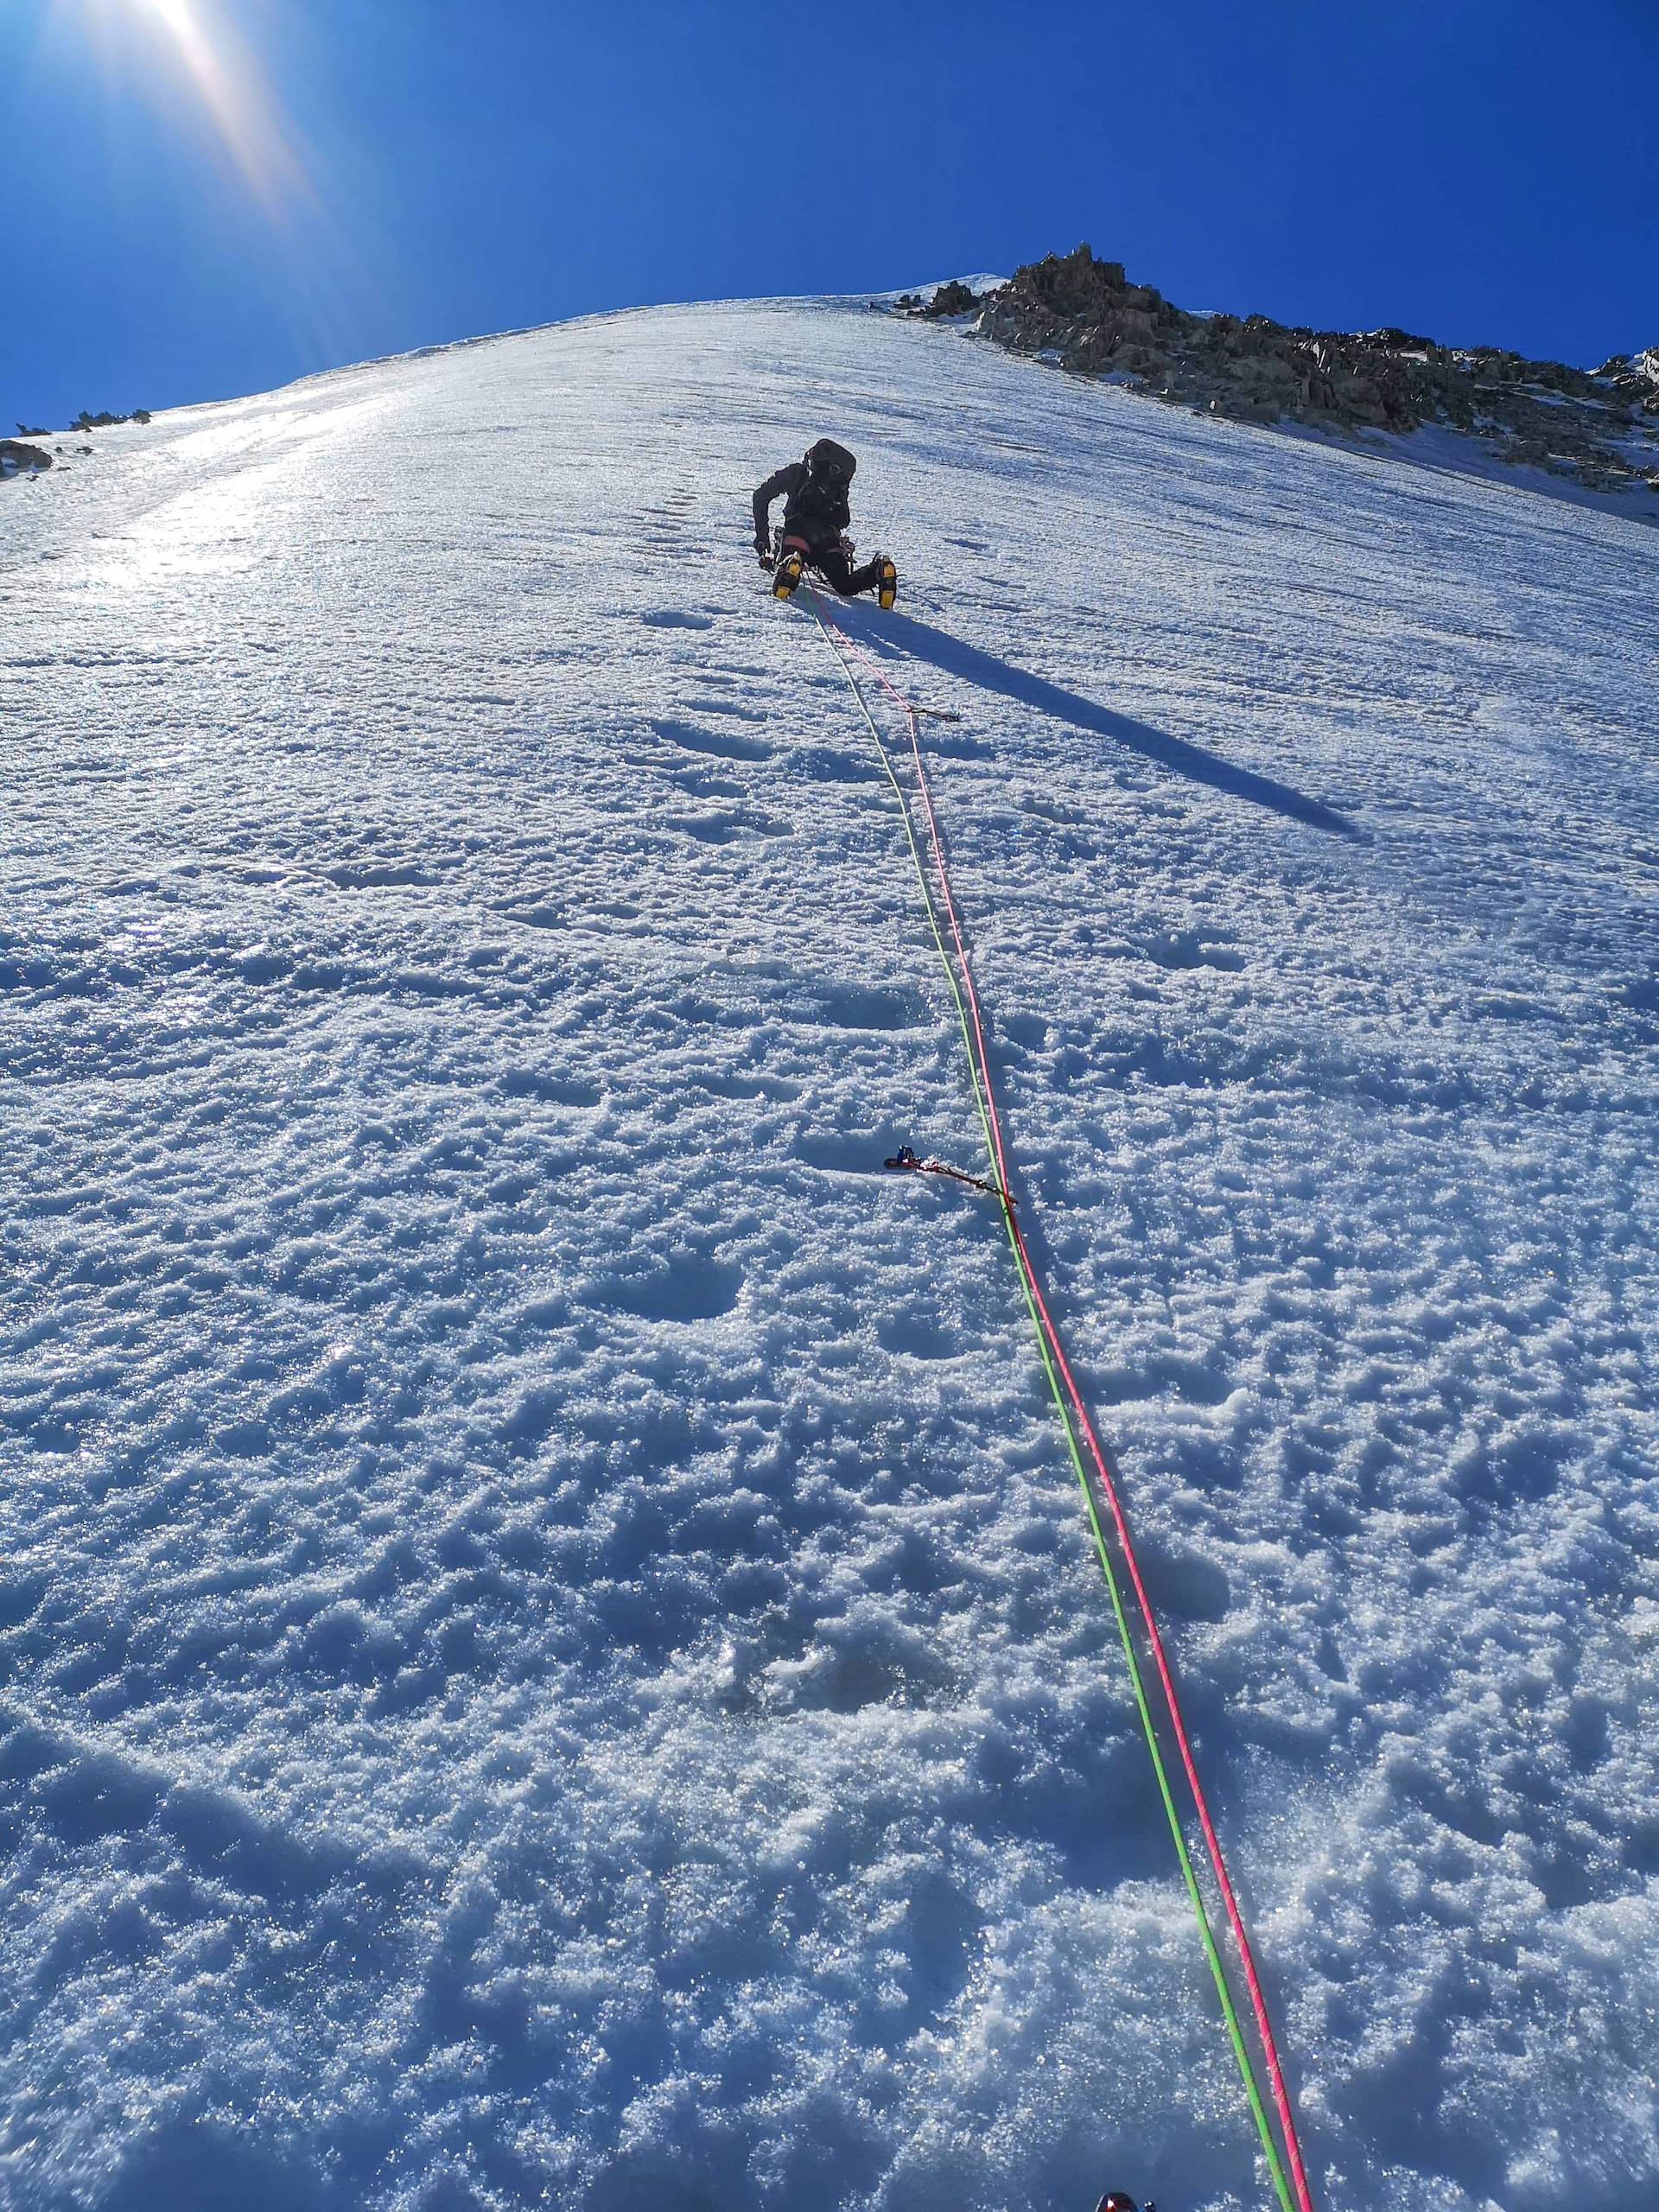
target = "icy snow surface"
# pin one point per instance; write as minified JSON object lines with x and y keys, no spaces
{"x":551,"y":1655}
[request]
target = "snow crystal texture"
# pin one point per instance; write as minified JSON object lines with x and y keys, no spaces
{"x":551,"y":1655}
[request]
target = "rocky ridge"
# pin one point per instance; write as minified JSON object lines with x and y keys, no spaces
{"x":1598,"y":427}
{"x":18,"y":458}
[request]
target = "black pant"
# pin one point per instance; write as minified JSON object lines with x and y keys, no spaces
{"x":836,"y":569}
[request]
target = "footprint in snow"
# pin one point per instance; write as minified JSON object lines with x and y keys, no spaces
{"x":684,"y":1288}
{"x":723,"y":745}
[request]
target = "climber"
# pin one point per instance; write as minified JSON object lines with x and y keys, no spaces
{"x":815,"y":519}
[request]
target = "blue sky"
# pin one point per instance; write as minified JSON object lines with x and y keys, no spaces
{"x":343,"y":178}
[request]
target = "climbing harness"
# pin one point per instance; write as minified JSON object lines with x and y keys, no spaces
{"x":906,"y":1158}
{"x":1292,"y":2191}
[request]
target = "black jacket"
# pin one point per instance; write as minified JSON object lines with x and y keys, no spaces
{"x":817,"y":512}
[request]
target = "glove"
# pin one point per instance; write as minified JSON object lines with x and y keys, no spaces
{"x":763,"y":552}
{"x":848,"y":545}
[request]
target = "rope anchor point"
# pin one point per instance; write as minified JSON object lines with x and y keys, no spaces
{"x":905,"y":1158}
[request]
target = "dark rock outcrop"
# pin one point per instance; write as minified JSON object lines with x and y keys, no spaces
{"x":953,"y":298}
{"x":19,"y":459}
{"x":1596,"y":426}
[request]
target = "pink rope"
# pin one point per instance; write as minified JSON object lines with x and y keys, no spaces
{"x":1177,"y":1727}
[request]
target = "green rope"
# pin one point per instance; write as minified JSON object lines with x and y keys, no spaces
{"x":1230,"y":2013}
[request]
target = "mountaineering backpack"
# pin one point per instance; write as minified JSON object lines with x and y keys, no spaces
{"x":826,"y":458}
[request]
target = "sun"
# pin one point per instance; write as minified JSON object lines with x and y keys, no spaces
{"x":211,"y":75}
{"x":230,"y":87}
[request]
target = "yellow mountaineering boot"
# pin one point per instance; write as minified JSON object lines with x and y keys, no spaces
{"x":786,"y":574}
{"x":886,"y":582}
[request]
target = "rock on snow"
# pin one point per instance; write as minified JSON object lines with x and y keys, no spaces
{"x":549,"y":1651}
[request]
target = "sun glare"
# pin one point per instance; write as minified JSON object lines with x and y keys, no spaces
{"x":228,"y":81}
{"x":175,"y":14}
{"x":211,"y":88}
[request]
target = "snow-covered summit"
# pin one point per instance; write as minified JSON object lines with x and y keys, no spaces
{"x":551,"y":1656}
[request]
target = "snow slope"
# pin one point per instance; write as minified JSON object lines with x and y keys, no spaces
{"x":550,"y":1652}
